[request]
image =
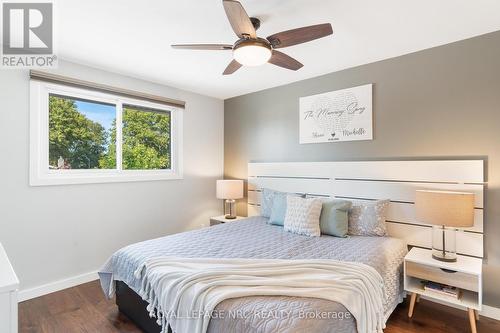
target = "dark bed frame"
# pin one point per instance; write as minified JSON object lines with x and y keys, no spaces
{"x":134,"y":307}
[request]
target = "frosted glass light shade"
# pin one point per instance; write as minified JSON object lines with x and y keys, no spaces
{"x":229,"y":189}
{"x":252,"y":55}
{"x":451,"y":209}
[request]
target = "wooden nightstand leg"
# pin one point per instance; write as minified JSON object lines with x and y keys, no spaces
{"x":472,"y":320}
{"x":412,"y":304}
{"x":477,"y":314}
{"x":418,"y":298}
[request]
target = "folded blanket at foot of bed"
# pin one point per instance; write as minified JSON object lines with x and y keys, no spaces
{"x":183,"y":292}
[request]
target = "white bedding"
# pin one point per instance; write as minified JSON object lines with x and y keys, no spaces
{"x":182,"y":292}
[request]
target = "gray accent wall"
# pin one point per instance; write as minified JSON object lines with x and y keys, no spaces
{"x":438,"y":103}
{"x":53,"y":233}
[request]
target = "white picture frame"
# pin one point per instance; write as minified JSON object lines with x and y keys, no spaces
{"x":337,"y":116}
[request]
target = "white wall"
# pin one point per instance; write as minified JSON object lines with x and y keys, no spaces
{"x":58,"y":232}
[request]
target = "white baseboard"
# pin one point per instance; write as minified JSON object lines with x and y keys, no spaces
{"x":487,"y":311}
{"x":26,"y":294}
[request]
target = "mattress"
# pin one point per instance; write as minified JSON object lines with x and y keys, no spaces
{"x":255,"y":238}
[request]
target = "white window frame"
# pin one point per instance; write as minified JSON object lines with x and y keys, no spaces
{"x":41,"y":175}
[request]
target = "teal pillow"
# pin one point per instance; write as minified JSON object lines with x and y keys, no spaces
{"x":267,"y":201}
{"x":334,"y":217}
{"x":278,"y":210}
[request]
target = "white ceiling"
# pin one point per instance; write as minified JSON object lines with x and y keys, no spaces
{"x":133,"y":37}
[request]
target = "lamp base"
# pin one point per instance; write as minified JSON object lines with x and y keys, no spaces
{"x":446,"y":257}
{"x":444,"y":244}
{"x":229,"y":203}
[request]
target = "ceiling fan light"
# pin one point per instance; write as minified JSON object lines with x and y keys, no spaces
{"x":252,"y":55}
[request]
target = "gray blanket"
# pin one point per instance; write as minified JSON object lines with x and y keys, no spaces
{"x":254,"y":238}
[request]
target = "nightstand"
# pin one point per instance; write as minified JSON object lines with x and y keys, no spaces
{"x":465,"y":274}
{"x":221,"y":219}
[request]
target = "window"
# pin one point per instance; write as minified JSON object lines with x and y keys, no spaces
{"x":146,"y":138}
{"x":82,"y":136}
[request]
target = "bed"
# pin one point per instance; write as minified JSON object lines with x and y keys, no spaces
{"x":254,"y":238}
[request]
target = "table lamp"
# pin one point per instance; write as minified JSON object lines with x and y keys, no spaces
{"x":230,"y":190}
{"x":446,"y":211}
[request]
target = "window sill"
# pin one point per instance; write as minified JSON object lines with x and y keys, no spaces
{"x":105,"y":176}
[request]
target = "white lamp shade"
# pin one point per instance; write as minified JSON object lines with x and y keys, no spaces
{"x":451,"y":209}
{"x":230,"y":189}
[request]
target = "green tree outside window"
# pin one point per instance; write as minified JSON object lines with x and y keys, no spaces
{"x":86,"y":144}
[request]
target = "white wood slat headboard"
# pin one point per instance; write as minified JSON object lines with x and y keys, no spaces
{"x":371,"y":180}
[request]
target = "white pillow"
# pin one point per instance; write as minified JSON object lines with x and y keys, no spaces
{"x":302,"y":215}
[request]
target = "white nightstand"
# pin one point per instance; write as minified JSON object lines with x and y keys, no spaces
{"x":465,"y":274}
{"x":221,"y":219}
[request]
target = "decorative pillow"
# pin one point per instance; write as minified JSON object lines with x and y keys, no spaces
{"x":266,"y":203}
{"x":334,"y":217}
{"x":278,"y":210}
{"x":302,"y":216}
{"x":273,"y":205}
{"x":368,"y":218}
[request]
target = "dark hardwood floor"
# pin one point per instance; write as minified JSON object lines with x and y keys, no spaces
{"x":84,"y":309}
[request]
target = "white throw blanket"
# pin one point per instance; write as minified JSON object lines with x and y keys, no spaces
{"x":181,"y":291}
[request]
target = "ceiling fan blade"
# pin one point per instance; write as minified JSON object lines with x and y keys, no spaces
{"x":232,"y":67}
{"x":240,"y":22}
{"x":300,"y":35}
{"x":280,"y":59}
{"x":215,"y":47}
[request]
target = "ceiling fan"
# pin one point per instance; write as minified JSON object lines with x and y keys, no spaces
{"x":250,"y":50}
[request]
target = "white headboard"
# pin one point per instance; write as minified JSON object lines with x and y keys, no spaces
{"x":394,"y":180}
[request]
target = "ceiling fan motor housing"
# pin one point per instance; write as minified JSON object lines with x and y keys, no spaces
{"x":252,"y":41}
{"x":255,"y":22}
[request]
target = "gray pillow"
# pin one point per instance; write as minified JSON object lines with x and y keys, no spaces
{"x":368,"y":218}
{"x":335,"y":217}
